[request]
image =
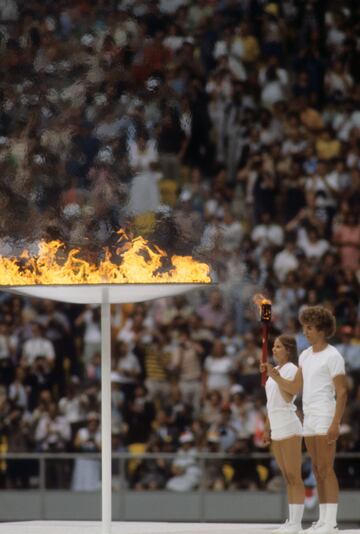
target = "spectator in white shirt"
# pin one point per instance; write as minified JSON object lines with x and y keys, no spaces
{"x":173,"y":41}
{"x":52,"y":432}
{"x":267,"y":233}
{"x":185,"y":471}
{"x":231,"y":232}
{"x":73,"y":405}
{"x":17,"y":391}
{"x":7,"y":344}
{"x":338,"y":82}
{"x":285,"y":261}
{"x":282,"y":74}
{"x":295,"y":144}
{"x":311,"y":244}
{"x":273,"y":90}
{"x":128,"y":368}
{"x":90,"y":320}
{"x":325,"y":183}
{"x":38,"y":345}
{"x":217,"y":370}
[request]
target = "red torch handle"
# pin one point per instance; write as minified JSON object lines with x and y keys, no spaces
{"x":264,"y":355}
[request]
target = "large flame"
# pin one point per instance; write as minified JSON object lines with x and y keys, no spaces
{"x":139,"y":263}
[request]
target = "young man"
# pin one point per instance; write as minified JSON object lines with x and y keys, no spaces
{"x":321,"y":374}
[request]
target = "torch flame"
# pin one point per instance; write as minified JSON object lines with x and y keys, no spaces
{"x":264,"y":307}
{"x":260,"y":299}
{"x":139,"y":263}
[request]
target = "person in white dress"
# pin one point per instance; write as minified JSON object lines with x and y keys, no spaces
{"x":144,"y":193}
{"x":321,"y":375}
{"x":87,"y":473}
{"x":284,"y":431}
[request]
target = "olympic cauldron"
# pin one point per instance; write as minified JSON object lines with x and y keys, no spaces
{"x":138,"y":271}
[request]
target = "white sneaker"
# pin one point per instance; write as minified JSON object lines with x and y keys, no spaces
{"x":319,"y":527}
{"x":287,"y":528}
{"x":315,"y":525}
{"x":281,"y":527}
{"x":291,"y":528}
{"x":326,"y":529}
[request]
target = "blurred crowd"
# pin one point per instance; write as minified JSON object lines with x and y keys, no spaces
{"x":226,"y":129}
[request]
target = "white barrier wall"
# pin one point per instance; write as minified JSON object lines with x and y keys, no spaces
{"x":254,"y":506}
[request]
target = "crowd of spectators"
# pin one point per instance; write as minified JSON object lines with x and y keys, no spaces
{"x":226,"y":129}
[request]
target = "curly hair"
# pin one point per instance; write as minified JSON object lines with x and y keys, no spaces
{"x":319,"y":317}
{"x":289,"y":343}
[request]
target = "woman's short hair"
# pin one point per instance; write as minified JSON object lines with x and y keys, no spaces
{"x":319,"y":317}
{"x":289,"y":343}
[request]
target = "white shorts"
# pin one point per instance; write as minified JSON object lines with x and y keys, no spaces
{"x":317,"y":425}
{"x":286,"y":425}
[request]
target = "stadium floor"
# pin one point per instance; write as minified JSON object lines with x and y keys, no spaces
{"x":92,"y":527}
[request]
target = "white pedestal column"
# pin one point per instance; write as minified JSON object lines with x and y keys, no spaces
{"x":106,"y":485}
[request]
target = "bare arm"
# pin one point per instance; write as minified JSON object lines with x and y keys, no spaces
{"x":80,"y":319}
{"x":291,"y":387}
{"x":294,"y":223}
{"x":341,"y":398}
{"x":267,"y":432}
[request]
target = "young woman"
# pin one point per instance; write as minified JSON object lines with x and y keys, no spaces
{"x":322,"y":375}
{"x":284,"y":429}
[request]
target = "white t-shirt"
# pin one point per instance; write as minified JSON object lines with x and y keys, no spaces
{"x":285,"y":262}
{"x":140,"y":160}
{"x":272,"y":92}
{"x":268,"y":234}
{"x":326,"y":185}
{"x":4,"y":347}
{"x":231,"y":235}
{"x":128,"y":363}
{"x":312,"y":249}
{"x":218,"y":370}
{"x":275,"y":401}
{"x":72,"y":409}
{"x":319,"y":369}
{"x":92,"y":332}
{"x":38,"y":346}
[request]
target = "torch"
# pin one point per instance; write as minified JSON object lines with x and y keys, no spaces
{"x":264,"y":306}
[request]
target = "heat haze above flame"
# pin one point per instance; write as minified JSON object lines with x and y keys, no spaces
{"x":139,"y":263}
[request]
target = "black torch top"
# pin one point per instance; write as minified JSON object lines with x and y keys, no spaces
{"x":265,"y":312}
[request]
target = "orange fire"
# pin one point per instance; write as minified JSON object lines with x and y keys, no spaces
{"x":264,"y":307}
{"x":260,"y":299}
{"x":139,"y":263}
